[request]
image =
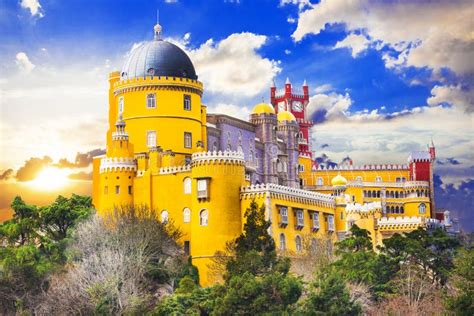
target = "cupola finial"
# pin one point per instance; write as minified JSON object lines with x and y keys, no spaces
{"x":157,"y":28}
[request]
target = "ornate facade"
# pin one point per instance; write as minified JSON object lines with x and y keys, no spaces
{"x":201,"y":171}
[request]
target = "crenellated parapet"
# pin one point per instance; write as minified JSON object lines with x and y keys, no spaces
{"x":175,"y":169}
{"x":218,"y":157}
{"x":117,"y":164}
{"x":365,"y":167}
{"x":287,"y":193}
{"x":157,"y":83}
{"x":402,"y":185}
{"x":405,"y":223}
{"x":364,"y":209}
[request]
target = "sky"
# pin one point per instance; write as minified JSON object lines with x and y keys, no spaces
{"x":385,"y":78}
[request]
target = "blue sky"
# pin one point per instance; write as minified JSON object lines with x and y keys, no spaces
{"x":385,"y":77}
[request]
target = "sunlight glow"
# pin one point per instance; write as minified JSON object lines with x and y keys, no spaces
{"x":50,"y":179}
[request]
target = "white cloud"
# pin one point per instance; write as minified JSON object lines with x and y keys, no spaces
{"x":334,"y":105}
{"x":323,"y":88}
{"x":34,"y":6}
{"x":171,"y":1}
{"x":233,"y":66}
{"x":291,"y":20}
{"x":300,"y":3}
{"x":435,"y":35}
{"x":241,"y":112}
{"x":287,"y":51}
{"x":453,"y":95}
{"x":355,"y":42}
{"x":24,"y":63}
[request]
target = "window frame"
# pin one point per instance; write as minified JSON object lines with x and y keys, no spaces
{"x":188,"y":140}
{"x":187,"y":102}
{"x":153,"y":99}
{"x":186,"y":215}
{"x":203,"y":212}
{"x":187,"y":185}
{"x":148,"y":133}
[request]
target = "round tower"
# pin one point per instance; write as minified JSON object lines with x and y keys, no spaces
{"x":288,"y":131}
{"x":159,"y":96}
{"x":216,"y":216}
{"x":265,"y":120}
{"x":117,"y":171}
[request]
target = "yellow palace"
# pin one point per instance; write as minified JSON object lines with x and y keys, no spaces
{"x":202,"y":170}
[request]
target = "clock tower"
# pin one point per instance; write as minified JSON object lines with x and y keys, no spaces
{"x":295,"y":101}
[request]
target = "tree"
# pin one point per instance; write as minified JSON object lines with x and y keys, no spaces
{"x":119,"y":264}
{"x":328,"y":295}
{"x":460,"y":292}
{"x":30,"y":251}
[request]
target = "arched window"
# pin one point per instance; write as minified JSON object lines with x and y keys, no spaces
{"x":320,"y":181}
{"x":369,"y":194}
{"x":279,"y":166}
{"x":397,"y":210}
{"x":186,"y":215}
{"x":164,"y":216}
{"x":422,"y":208}
{"x":151,"y":100}
{"x":204,"y":218}
{"x":187,"y":185}
{"x":299,"y":246}
{"x":240,"y":149}
{"x":396,"y":194}
{"x":214,"y":146}
{"x":282,"y":241}
{"x":251,"y":155}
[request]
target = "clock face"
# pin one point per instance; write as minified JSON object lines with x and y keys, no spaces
{"x":281,"y":106}
{"x":297,"y":106}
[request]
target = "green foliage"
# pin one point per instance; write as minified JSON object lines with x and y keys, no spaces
{"x":461,"y":299}
{"x":199,"y":301}
{"x":328,"y":295}
{"x":33,"y":246}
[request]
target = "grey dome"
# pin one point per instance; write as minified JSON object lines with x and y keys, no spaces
{"x":158,"y":58}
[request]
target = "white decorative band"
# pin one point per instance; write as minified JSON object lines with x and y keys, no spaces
{"x":287,"y":192}
{"x":363,"y":208}
{"x":117,"y":164}
{"x":218,"y":156}
{"x":175,"y":169}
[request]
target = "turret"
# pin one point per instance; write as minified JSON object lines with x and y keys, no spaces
{"x":272,"y":92}
{"x":287,"y":87}
{"x":288,"y":131}
{"x":305,"y":89}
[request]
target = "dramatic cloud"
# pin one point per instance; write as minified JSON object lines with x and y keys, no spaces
{"x":241,"y":112}
{"x":7,"y":174}
{"x":233,"y":66}
{"x":452,"y":95}
{"x":32,"y":168}
{"x":34,"y":6}
{"x":24,"y":63}
{"x":81,"y":176}
{"x":356,"y":43}
{"x":324,"y":146}
{"x":435,"y":34}
{"x":300,"y":3}
{"x":458,"y":200}
{"x":82,"y":159}
{"x":323,"y":107}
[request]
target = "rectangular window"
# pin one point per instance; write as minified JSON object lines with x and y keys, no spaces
{"x":151,"y":100}
{"x":331,"y":223}
{"x":120,"y":105}
{"x":187,"y":102}
{"x":398,"y":179}
{"x":404,"y":179}
{"x":117,"y":189}
{"x":315,"y":220}
{"x":202,"y":186}
{"x":188,"y":140}
{"x":283,"y":215}
{"x":129,"y":189}
{"x":106,"y":190}
{"x":151,"y":138}
{"x":299,"y":218}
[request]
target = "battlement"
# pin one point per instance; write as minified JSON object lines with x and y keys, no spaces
{"x":117,"y":164}
{"x":365,"y":167}
{"x":175,"y":169}
{"x":157,"y":81}
{"x":304,"y":155}
{"x":406,"y":222}
{"x":366,"y":208}
{"x":283,"y":192}
{"x":233,"y":157}
{"x":419,"y":156}
{"x":402,"y":185}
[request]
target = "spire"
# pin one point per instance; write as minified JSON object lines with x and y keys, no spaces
{"x":305,"y":84}
{"x":287,"y":81}
{"x":273,"y":83}
{"x":157,"y":28}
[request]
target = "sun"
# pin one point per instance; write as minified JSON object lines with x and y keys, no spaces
{"x":50,"y":179}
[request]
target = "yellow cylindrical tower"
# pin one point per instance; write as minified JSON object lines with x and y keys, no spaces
{"x":117,"y":172}
{"x":159,"y":96}
{"x":216,"y":217}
